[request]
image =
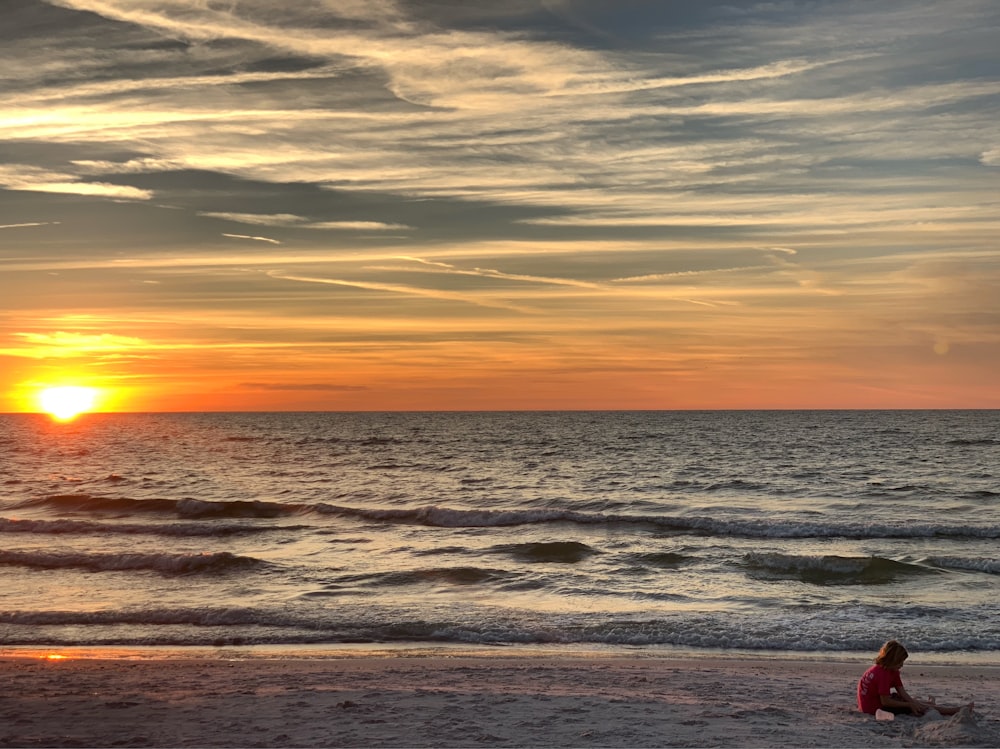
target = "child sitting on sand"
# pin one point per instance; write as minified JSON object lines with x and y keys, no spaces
{"x":875,"y":688}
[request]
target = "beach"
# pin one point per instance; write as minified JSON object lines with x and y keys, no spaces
{"x":441,"y":700}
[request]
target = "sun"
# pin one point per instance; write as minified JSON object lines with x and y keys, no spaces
{"x":66,"y":402}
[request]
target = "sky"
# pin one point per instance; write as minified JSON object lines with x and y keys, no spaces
{"x":529,"y":204}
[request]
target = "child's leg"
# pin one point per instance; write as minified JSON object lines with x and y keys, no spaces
{"x":898,"y":710}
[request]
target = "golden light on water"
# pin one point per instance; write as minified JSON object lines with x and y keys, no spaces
{"x":66,"y":402}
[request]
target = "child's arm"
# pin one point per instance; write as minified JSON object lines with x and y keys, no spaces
{"x":918,"y":707}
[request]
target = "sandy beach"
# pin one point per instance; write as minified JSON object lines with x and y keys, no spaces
{"x":463,"y":701}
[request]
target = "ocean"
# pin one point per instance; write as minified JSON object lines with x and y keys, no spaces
{"x":794,"y":531}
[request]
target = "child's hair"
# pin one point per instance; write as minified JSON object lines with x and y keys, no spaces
{"x":891,"y":655}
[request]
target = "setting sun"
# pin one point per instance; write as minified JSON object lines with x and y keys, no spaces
{"x":67,"y":402}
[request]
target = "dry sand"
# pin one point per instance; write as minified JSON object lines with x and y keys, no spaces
{"x":494,"y":701}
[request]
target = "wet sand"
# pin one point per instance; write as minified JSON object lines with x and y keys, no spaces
{"x":502,"y":701}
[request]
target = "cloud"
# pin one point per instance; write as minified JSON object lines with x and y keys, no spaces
{"x":308,"y":386}
{"x":352,"y":225}
{"x":481,"y":300}
{"x":26,"y":177}
{"x":132,"y":166}
{"x":95,"y":189}
{"x":682,"y":274}
{"x":29,"y":224}
{"x":517,"y":118}
{"x":66,"y":344}
{"x":449,"y":269}
{"x":257,"y":219}
{"x":300,"y":222}
{"x":255,"y":239}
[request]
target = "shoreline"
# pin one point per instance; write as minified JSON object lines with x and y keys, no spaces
{"x":410,"y":649}
{"x":430,"y":698}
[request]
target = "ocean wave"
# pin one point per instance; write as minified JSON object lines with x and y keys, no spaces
{"x":560,"y":552}
{"x":666,"y":559}
{"x":970,"y":564}
{"x":186,"y":507}
{"x":193,"y":616}
{"x":981,"y":494}
{"x":238,"y":508}
{"x":89,"y":527}
{"x":97,"y":503}
{"x":819,"y":630}
{"x":446,"y":517}
{"x":167,"y":564}
{"x":831,"y":569}
{"x":431,"y":576}
{"x":449,"y":517}
{"x":734,"y":484}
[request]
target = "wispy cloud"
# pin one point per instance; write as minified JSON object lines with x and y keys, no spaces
{"x":29,"y":224}
{"x":65,"y":344}
{"x":24,"y":177}
{"x":258,"y":219}
{"x":356,"y":225}
{"x":19,"y":177}
{"x":304,"y":387}
{"x":480,"y":300}
{"x":253,"y":238}
{"x":427,"y":266}
{"x":300,"y":222}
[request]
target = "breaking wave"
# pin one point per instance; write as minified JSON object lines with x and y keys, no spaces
{"x":968,"y":564}
{"x":831,"y":569}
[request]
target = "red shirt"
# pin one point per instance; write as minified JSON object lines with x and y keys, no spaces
{"x":876,"y":681}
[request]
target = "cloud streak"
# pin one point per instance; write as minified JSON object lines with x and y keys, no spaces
{"x":29,"y":224}
{"x":251,"y":237}
{"x":416,"y":291}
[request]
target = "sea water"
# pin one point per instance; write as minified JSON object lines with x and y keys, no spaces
{"x":808,"y":531}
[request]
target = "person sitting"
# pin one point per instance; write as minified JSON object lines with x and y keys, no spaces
{"x":881,"y":687}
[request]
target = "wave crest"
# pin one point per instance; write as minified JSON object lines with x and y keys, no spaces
{"x":560,"y":552}
{"x":85,"y":527}
{"x":830,"y":569}
{"x":167,"y":564}
{"x":447,"y":517}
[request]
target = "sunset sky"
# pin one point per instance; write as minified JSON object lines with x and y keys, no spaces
{"x":527,"y":204}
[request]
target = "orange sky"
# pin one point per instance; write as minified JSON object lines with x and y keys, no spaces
{"x":395,"y":205}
